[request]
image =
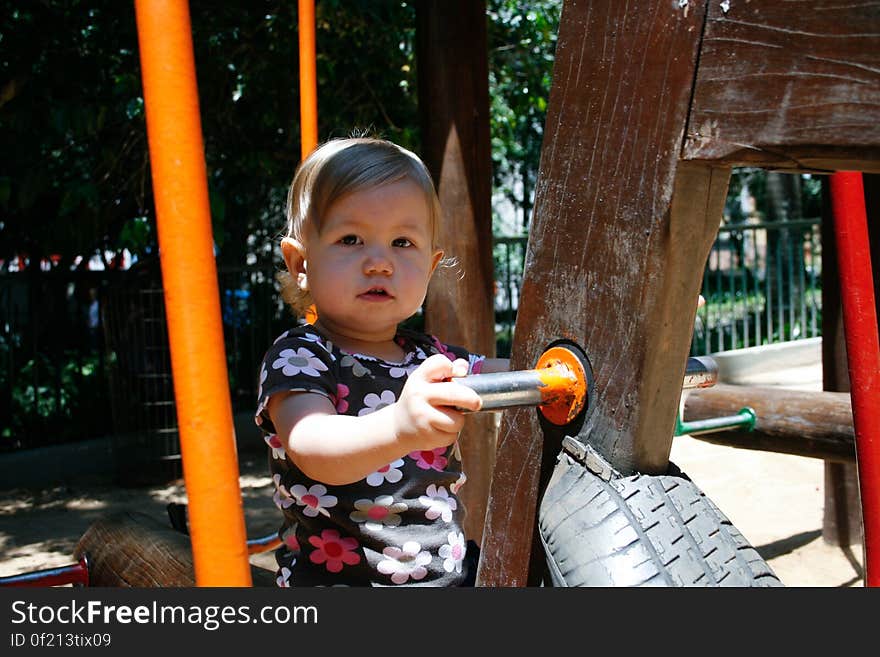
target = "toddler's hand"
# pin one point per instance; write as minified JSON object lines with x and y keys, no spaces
{"x":427,"y":414}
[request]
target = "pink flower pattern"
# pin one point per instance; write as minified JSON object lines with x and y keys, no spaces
{"x":333,"y":550}
{"x":339,"y":400}
{"x":430,"y":459}
{"x":442,"y":348}
{"x":289,"y":539}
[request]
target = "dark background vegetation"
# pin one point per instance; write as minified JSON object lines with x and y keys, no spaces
{"x":74,"y":177}
{"x":75,"y":172}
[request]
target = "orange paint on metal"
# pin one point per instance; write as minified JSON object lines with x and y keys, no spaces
{"x":192,"y":298}
{"x":308,"y":78}
{"x":564,"y":385}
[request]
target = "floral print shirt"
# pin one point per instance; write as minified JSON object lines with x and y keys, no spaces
{"x":402,"y":524}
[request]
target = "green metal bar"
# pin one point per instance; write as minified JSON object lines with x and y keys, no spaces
{"x":796,"y":223}
{"x":745,"y":419}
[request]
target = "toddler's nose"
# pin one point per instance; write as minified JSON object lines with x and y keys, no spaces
{"x":378,"y":262}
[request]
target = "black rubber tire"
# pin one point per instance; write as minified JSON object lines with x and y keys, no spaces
{"x":641,"y":530}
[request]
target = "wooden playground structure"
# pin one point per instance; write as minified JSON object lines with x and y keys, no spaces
{"x":649,"y":111}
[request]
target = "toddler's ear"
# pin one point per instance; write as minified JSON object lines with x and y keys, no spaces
{"x":435,"y":260}
{"x":294,"y":254}
{"x":295,"y":258}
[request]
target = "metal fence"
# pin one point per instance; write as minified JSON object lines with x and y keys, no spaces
{"x":762,"y":285}
{"x":62,"y":379}
{"x":65,"y":377}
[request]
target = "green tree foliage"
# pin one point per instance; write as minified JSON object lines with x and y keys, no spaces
{"x":247,"y":57}
{"x":522,"y":45}
{"x":71,"y":121}
{"x":75,"y":177}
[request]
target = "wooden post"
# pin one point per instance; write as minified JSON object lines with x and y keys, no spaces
{"x":454,"y":105}
{"x":620,"y":234}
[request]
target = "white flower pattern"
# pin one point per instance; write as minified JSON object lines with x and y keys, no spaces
{"x":275,"y":445}
{"x":281,"y":497}
{"x":440,"y":504}
{"x":390,"y":473}
{"x":374,"y":514}
{"x":301,"y":361}
{"x":283,"y":579}
{"x":314,"y":499}
{"x":356,"y":368}
{"x":404,"y":563}
{"x":399,"y":371}
{"x":453,"y":552}
{"x":263,"y":374}
{"x":374,"y":402}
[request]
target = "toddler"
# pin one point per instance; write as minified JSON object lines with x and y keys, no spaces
{"x":359,"y":413}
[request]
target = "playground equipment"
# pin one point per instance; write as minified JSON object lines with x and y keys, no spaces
{"x":636,"y":160}
{"x":648,"y":112}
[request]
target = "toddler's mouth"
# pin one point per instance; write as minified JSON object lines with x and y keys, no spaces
{"x":376,"y":293}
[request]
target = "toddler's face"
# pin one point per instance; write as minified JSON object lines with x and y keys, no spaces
{"x":368,"y":269}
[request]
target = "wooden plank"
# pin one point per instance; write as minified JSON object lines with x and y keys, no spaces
{"x":454,"y":101}
{"x":806,"y":423}
{"x":618,"y":241}
{"x":789,"y":85}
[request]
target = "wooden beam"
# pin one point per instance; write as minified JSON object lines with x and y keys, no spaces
{"x":131,"y":549}
{"x":789,"y":85}
{"x":618,"y":241}
{"x":454,"y":104}
{"x":806,"y":423}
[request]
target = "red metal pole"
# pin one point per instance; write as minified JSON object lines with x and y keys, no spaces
{"x":76,"y":574}
{"x":862,"y":350}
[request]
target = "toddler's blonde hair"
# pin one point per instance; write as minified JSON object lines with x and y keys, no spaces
{"x":339,"y":167}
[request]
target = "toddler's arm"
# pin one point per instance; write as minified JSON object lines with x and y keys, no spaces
{"x":341,"y":449}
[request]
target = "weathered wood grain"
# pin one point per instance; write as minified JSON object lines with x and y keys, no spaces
{"x":789,"y":84}
{"x":454,"y":102}
{"x":619,"y":238}
{"x":133,"y":550}
{"x":806,"y":423}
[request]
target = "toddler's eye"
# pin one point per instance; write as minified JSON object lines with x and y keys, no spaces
{"x":350,"y":240}
{"x":401,"y":241}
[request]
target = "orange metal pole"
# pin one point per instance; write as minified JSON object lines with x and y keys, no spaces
{"x":192,"y":298}
{"x":308,"y":79}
